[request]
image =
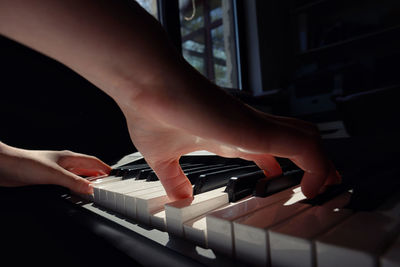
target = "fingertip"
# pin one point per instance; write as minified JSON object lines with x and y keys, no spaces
{"x":87,"y":172}
{"x":333,"y":178}
{"x":185,"y":190}
{"x":106,"y":169}
{"x":267,"y":163}
{"x":101,"y":166}
{"x":311,"y":184}
{"x":90,"y":189}
{"x":309,"y":193}
{"x":83,"y":187}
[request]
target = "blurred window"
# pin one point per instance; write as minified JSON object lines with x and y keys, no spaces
{"x":208,"y":39}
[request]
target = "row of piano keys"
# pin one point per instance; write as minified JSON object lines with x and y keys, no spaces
{"x":281,"y":229}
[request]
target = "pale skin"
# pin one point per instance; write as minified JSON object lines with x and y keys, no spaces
{"x":170,"y":108}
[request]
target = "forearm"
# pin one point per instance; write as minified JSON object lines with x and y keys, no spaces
{"x":120,"y":48}
{"x":10,"y":158}
{"x":114,"y":44}
{"x":20,"y":167}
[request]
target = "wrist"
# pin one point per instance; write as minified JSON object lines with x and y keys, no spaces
{"x":4,"y":149}
{"x":156,"y":85}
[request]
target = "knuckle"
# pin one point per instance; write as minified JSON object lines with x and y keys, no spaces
{"x":66,"y":153}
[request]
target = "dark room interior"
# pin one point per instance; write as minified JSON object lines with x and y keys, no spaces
{"x":334,"y":63}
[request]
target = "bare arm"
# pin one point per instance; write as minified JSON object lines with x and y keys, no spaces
{"x":170,"y":108}
{"x":113,"y":44}
{"x":19,"y":167}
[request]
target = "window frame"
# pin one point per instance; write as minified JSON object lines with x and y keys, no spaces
{"x":246,"y":40}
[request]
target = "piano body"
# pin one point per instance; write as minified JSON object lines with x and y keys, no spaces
{"x":336,"y":65}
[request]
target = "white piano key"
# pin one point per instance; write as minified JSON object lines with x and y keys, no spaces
{"x":219,"y":222}
{"x":106,"y":180}
{"x":360,"y":240}
{"x":147,"y":204}
{"x":251,"y":231}
{"x":357,"y":241}
{"x":195,"y":230}
{"x":98,"y":184}
{"x":124,"y":187}
{"x":292,"y":242}
{"x":131,"y":198}
{"x":157,"y":220}
{"x":106,"y":199}
{"x":180,"y":211}
{"x":391,"y":258}
{"x":119,"y":193}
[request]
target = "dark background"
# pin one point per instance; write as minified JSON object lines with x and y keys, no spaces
{"x":319,"y":60}
{"x":45,"y":105}
{"x":345,"y":67}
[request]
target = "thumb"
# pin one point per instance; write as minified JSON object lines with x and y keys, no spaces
{"x":71,"y":181}
{"x":175,"y":182}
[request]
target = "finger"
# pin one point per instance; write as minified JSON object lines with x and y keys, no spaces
{"x":303,"y":149}
{"x":175,"y":182}
{"x":81,"y":164}
{"x":333,"y":178}
{"x":86,"y":172}
{"x":265,"y":162}
{"x":318,"y":171}
{"x":62,"y":177}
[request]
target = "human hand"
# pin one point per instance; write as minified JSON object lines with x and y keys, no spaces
{"x":166,"y":124}
{"x":170,"y":108}
{"x":21,"y":167}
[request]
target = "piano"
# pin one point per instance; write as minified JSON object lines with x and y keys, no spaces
{"x":251,"y":221}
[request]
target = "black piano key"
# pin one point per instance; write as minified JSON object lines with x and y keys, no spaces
{"x":269,"y":186}
{"x":203,"y":167}
{"x":213,"y":159}
{"x":191,"y":165}
{"x":122,"y":170}
{"x":144,"y":174}
{"x":187,"y":170}
{"x":132,"y":173}
{"x":113,"y":172}
{"x":152,"y":176}
{"x":213,"y":180}
{"x":286,"y":164}
{"x":194,"y":175}
{"x":240,"y":186}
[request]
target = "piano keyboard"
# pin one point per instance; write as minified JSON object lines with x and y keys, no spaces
{"x":239,"y":217}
